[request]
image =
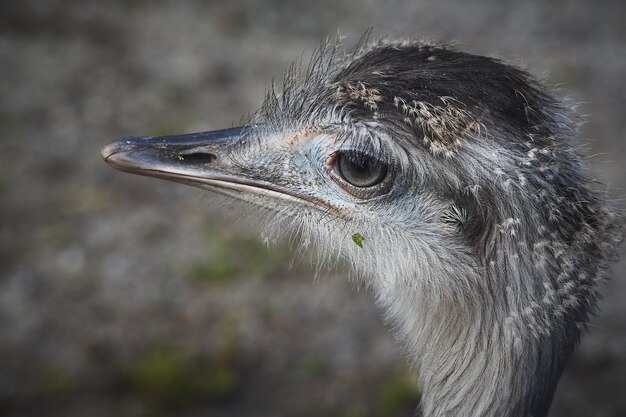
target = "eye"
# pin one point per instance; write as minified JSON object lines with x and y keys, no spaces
{"x":359,"y":169}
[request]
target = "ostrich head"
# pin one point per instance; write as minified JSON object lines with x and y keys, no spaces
{"x":450,"y":184}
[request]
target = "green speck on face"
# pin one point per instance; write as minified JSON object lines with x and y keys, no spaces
{"x":358,"y":239}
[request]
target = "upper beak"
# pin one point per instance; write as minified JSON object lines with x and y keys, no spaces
{"x":173,"y":157}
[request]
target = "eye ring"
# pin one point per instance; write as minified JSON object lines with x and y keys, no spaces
{"x":359,"y":173}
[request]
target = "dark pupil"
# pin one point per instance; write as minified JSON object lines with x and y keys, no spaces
{"x":360,"y":170}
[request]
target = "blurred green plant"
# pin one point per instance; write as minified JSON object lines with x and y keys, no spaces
{"x":162,"y":373}
{"x":166,"y":378}
{"x":396,"y":395}
{"x":397,"y":392}
{"x":308,"y":367}
{"x":56,"y":381}
{"x":230,"y":258}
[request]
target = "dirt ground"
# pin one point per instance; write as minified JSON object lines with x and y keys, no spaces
{"x":127,"y":296}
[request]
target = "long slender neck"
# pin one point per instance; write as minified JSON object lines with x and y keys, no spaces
{"x":471,"y":364}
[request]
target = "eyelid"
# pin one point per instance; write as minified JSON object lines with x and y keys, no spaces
{"x":331,"y":162}
{"x":357,"y":192}
{"x":360,"y":151}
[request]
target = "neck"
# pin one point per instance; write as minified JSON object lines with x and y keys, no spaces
{"x":469,"y":363}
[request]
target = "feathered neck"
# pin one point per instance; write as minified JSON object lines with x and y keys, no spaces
{"x":469,"y":364}
{"x":491,"y":340}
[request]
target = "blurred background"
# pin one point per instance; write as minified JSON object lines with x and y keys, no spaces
{"x":127,"y":296}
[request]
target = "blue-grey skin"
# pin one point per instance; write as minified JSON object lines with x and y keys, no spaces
{"x":482,"y":239}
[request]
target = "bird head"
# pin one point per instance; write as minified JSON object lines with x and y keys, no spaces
{"x":426,"y":168}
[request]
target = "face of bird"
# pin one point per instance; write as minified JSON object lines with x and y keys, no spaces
{"x":377,"y":160}
{"x":349,"y":192}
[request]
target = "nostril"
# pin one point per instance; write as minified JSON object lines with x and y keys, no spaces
{"x":197,"y":157}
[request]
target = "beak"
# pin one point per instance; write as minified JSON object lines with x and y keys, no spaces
{"x":195,"y":159}
{"x":170,"y":157}
{"x":202,"y":160}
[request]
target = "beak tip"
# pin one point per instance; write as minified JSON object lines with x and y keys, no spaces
{"x":109,"y":150}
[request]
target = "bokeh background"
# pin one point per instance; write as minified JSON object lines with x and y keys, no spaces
{"x":127,"y":296}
